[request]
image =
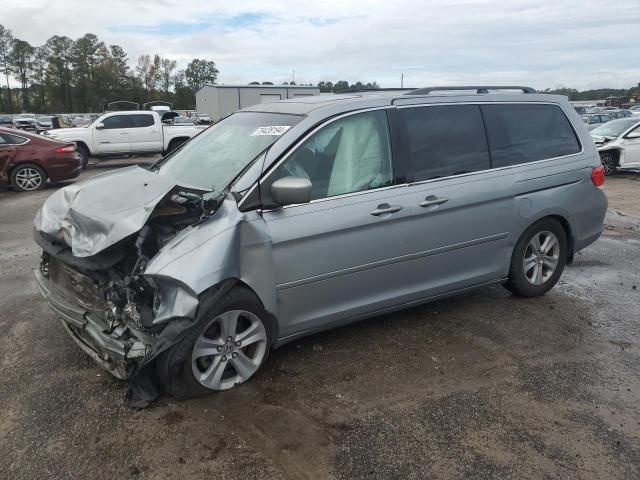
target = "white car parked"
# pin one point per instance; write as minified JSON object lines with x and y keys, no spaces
{"x":635,"y":109}
{"x":126,"y":133}
{"x":618,"y":142}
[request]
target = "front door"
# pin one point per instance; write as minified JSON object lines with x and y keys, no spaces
{"x":338,"y":256}
{"x":113,"y":137}
{"x":631,"y":145}
{"x":145,"y":134}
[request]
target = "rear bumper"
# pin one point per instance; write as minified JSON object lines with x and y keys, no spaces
{"x":87,"y":330}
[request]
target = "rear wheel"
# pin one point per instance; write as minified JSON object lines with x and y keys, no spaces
{"x":27,"y":178}
{"x":538,"y":259}
{"x":229,"y":348}
{"x":609,"y":162}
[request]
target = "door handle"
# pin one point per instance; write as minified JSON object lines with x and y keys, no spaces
{"x":384,"y":208}
{"x":124,"y":133}
{"x":433,"y":200}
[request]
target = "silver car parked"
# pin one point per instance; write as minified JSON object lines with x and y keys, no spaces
{"x":293,"y":217}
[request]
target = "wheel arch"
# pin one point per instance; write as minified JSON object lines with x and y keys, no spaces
{"x":83,"y":144}
{"x":22,"y":163}
{"x":617,"y":151}
{"x":566,"y":226}
{"x":222,"y":287}
{"x":179,"y":140}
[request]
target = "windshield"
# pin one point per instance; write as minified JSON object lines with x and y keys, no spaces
{"x":614,"y":128}
{"x":215,"y":157}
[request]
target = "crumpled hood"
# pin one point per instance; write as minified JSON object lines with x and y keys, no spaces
{"x":92,"y":215}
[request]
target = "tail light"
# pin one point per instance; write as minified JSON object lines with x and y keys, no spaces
{"x":65,"y":149}
{"x":597,"y":176}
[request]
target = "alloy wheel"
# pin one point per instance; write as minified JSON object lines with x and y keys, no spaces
{"x":229,"y":350}
{"x":28,"y":179}
{"x":541,"y":257}
{"x":609,"y":164}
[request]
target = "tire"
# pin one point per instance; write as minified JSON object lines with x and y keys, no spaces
{"x":609,"y":162}
{"x":541,"y":274}
{"x":84,"y":154}
{"x":28,"y":178}
{"x":178,"y":366}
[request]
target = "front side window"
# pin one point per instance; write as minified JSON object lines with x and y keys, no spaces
{"x":212,"y":159}
{"x":446,"y":140}
{"x":522,"y":133}
{"x":141,"y":120}
{"x":349,"y":155}
{"x":116,"y":121}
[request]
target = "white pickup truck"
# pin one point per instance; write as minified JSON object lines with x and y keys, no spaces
{"x":126,"y":133}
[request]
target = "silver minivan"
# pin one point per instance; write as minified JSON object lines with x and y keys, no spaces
{"x":289,"y":218}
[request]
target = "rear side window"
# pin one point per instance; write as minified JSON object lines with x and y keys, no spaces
{"x":525,"y":133}
{"x":8,"y":139}
{"x":116,"y":121}
{"x":446,"y":140}
{"x":139,"y":121}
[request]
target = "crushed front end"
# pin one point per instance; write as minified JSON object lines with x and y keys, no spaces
{"x":109,"y":317}
{"x":93,"y":267}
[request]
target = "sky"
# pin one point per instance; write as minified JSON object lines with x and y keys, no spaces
{"x":581,"y":44}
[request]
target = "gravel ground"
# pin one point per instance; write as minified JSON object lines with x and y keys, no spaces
{"x":480,"y":386}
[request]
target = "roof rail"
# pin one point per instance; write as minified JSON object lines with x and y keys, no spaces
{"x":478,"y":88}
{"x":361,"y":90}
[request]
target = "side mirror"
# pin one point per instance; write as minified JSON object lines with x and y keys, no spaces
{"x":99,"y":126}
{"x":290,"y":190}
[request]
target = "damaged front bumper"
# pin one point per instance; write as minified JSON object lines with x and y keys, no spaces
{"x":89,"y":331}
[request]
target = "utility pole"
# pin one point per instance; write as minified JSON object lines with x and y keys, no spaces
{"x":402,"y":80}
{"x":293,"y":76}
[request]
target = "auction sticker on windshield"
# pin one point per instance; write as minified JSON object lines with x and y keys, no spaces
{"x":273,"y":130}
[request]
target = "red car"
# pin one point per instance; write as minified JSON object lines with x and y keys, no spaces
{"x":28,"y":160}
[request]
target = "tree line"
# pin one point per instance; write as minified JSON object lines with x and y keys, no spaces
{"x":83,"y":75}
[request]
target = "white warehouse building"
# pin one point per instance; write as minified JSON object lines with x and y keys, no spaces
{"x":218,"y":101}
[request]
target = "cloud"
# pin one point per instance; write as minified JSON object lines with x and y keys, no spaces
{"x":577,"y":43}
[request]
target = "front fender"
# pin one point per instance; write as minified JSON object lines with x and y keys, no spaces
{"x":230,"y":245}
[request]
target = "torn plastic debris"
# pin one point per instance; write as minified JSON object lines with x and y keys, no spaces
{"x":144,"y":386}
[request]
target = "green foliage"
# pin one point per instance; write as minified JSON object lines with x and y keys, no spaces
{"x":200,"y":72}
{"x":83,"y":75}
{"x":341,"y":85}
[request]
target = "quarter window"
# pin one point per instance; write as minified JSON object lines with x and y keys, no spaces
{"x":446,"y":140}
{"x":142,"y":120}
{"x":521,"y":133}
{"x":349,"y":155}
{"x":116,"y":121}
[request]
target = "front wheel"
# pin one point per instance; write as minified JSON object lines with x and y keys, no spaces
{"x":538,"y":259}
{"x":232,"y":343}
{"x":609,"y":162}
{"x":84,"y":155}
